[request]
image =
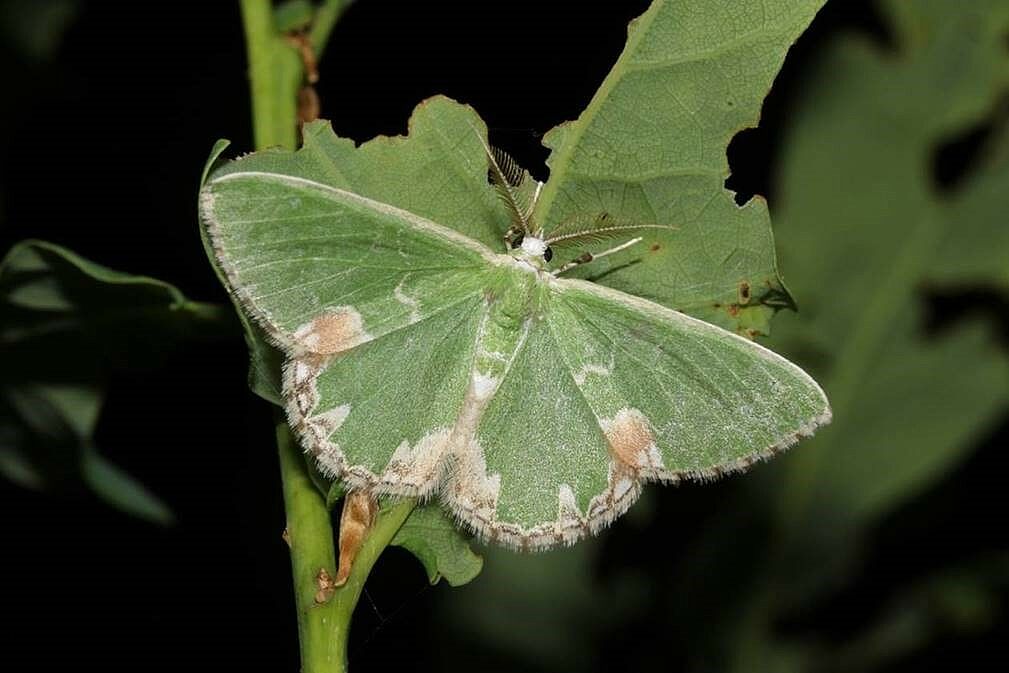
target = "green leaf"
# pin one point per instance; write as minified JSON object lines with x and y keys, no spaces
{"x":431,"y":536}
{"x":335,"y":493}
{"x":64,"y":321}
{"x":863,"y":230}
{"x":292,"y":15}
{"x":975,"y":250}
{"x":122,"y":491}
{"x":650,"y":149}
{"x":864,"y":323}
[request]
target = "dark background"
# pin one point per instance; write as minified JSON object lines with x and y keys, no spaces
{"x":103,"y":138}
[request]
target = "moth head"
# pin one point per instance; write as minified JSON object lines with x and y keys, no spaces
{"x":531,"y":248}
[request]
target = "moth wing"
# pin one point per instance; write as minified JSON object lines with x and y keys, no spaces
{"x":679,"y":398}
{"x":608,"y":391}
{"x":323,"y":269}
{"x":536,"y":472}
{"x":375,"y":307}
{"x":382,"y":415}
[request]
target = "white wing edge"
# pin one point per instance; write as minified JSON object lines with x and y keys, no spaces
{"x":341,"y":195}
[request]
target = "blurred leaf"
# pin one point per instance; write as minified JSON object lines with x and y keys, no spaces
{"x":121,"y":490}
{"x":292,"y":15}
{"x":650,"y":149}
{"x":35,"y":28}
{"x":863,"y":229}
{"x":64,"y":323}
{"x":540,"y":612}
{"x":431,"y":536}
{"x":958,"y":600}
{"x":975,"y":251}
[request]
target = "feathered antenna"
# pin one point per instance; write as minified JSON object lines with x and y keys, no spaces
{"x":515,"y":187}
{"x":581,"y":229}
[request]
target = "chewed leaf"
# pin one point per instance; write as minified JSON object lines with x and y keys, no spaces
{"x":651,"y":148}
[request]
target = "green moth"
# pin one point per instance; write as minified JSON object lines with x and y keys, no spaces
{"x":423,"y":363}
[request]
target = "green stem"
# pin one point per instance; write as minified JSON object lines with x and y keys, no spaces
{"x":309,"y":534}
{"x":387,"y":522}
{"x":326,"y":17}
{"x":323,"y":628}
{"x":275,"y":74}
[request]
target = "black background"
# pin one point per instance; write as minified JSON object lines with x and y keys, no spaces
{"x":102,"y":148}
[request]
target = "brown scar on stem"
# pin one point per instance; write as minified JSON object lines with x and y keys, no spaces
{"x":286,"y":537}
{"x":630,"y":438}
{"x":301,"y":41}
{"x":654,"y":247}
{"x":359,"y":508}
{"x":308,"y":104}
{"x":326,"y":585}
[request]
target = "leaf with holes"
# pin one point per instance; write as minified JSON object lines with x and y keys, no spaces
{"x":421,"y":361}
{"x":649,"y":149}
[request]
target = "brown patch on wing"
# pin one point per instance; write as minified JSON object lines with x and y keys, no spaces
{"x":630,"y":438}
{"x":333,"y":332}
{"x":359,"y":508}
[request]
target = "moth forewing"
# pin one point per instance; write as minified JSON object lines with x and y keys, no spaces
{"x":299,"y":254}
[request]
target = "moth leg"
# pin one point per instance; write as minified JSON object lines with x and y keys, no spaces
{"x":587,"y":257}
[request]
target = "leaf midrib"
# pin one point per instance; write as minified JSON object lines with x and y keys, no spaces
{"x":560,"y":166}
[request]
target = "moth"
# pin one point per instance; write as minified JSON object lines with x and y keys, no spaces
{"x":423,"y":363}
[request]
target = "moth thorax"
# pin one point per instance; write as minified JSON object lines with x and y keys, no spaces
{"x":534,"y":247}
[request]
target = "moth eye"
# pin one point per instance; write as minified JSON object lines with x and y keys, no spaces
{"x":517,"y":241}
{"x":548,"y":254}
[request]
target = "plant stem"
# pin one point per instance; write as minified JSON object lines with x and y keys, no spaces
{"x":345,"y":598}
{"x":275,"y":75}
{"x":309,"y":534}
{"x":323,"y":627}
{"x":326,"y":17}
